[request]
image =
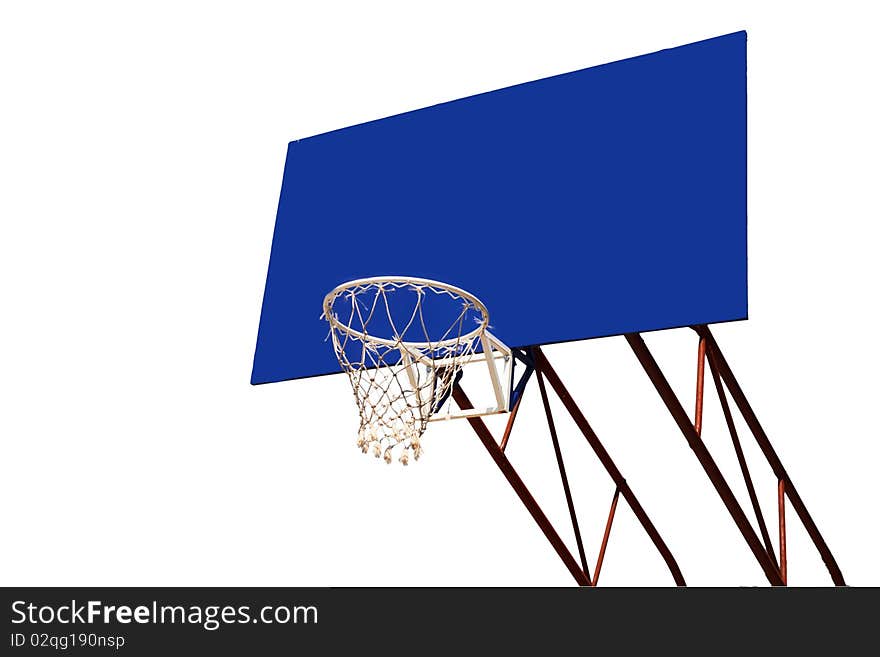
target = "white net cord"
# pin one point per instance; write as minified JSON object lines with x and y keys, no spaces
{"x":402,"y":342}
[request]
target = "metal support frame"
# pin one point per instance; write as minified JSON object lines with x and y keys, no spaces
{"x":536,"y":360}
{"x":502,"y":382}
{"x":513,"y":478}
{"x":559,"y":462}
{"x":722,"y":376}
{"x":725,"y":384}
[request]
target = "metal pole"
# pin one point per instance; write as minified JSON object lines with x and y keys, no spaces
{"x":741,"y":458}
{"x":605,"y":537}
{"x":562,"y":475}
{"x":555,"y":382}
{"x":783,"y":558}
{"x":701,"y":369}
{"x":770,"y":454}
{"x":509,"y":426}
{"x":519,"y":487}
{"x":696,"y":444}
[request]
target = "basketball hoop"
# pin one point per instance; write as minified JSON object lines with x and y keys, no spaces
{"x":403,"y":343}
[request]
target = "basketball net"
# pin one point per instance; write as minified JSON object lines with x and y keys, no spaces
{"x":402,"y":374}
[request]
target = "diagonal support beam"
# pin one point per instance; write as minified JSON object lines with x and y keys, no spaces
{"x":741,"y":458}
{"x":562,"y":475}
{"x":673,"y":405}
{"x":542,"y":364}
{"x":516,"y":394}
{"x":783,"y":559}
{"x":519,"y":388}
{"x":770,"y":454}
{"x":519,"y":487}
{"x":607,"y":534}
{"x":509,"y":426}
{"x":701,"y":373}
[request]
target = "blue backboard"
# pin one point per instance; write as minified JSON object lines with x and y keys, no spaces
{"x":604,"y":201}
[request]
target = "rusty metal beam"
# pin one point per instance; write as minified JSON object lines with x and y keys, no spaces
{"x":783,"y":557}
{"x":519,"y":487}
{"x":542,"y":364}
{"x":741,"y":458}
{"x":770,"y":454}
{"x":701,"y":372}
{"x":673,"y":405}
{"x":562,"y":475}
{"x":610,"y":520}
{"x":509,"y":426}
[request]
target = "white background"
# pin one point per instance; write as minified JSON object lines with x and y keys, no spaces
{"x":141,"y":155}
